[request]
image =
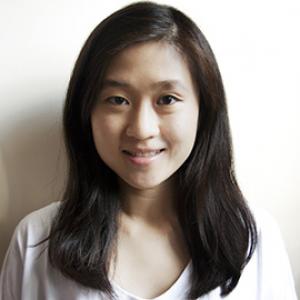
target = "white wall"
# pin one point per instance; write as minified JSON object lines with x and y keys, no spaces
{"x":257,"y":46}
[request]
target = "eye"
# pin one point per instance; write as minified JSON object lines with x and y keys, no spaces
{"x":168,"y":99}
{"x":117,"y":100}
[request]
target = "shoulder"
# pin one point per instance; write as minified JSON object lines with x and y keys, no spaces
{"x":44,"y":214}
{"x":270,"y":242}
{"x":269,"y":236}
{"x":270,"y":264}
{"x":37,"y":224}
{"x":19,"y":268}
{"x":265,"y":221}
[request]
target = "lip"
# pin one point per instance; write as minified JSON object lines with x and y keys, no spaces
{"x":143,"y":161}
{"x":143,"y":150}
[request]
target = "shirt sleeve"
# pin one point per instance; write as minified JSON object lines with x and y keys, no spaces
{"x":12,"y":269}
{"x":276,"y":280}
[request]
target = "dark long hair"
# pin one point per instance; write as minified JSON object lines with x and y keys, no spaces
{"x":219,"y":229}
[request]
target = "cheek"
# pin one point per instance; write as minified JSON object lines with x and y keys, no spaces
{"x":105,"y":132}
{"x":182,"y":129}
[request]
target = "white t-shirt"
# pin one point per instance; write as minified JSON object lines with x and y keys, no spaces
{"x":26,"y":275}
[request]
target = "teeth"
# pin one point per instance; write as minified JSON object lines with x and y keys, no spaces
{"x":145,"y":154}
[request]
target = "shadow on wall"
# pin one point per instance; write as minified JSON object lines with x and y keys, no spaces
{"x":32,"y":168}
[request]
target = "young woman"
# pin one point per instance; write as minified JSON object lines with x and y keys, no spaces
{"x":152,"y":209}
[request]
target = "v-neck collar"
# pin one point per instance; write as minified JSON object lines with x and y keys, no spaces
{"x":176,"y":291}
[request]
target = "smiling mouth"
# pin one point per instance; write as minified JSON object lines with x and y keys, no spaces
{"x":143,"y":154}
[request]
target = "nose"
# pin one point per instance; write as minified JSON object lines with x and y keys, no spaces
{"x":143,"y":122}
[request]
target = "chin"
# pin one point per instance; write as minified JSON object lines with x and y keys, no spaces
{"x":146,"y":184}
{"x":143,"y":186}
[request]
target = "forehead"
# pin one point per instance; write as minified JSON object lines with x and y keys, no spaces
{"x":151,"y":63}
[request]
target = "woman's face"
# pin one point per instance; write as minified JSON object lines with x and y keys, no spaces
{"x":144,"y":123}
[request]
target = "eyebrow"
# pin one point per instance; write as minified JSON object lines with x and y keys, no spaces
{"x":162,"y":84}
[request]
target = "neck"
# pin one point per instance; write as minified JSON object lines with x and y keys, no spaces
{"x":152,"y":207}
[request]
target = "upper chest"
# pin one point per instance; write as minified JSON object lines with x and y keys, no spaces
{"x":149,"y":263}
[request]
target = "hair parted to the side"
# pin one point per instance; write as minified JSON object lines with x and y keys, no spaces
{"x":219,"y":228}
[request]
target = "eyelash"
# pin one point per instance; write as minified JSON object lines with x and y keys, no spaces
{"x":170,"y":96}
{"x":164,"y":97}
{"x":114,"y":98}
